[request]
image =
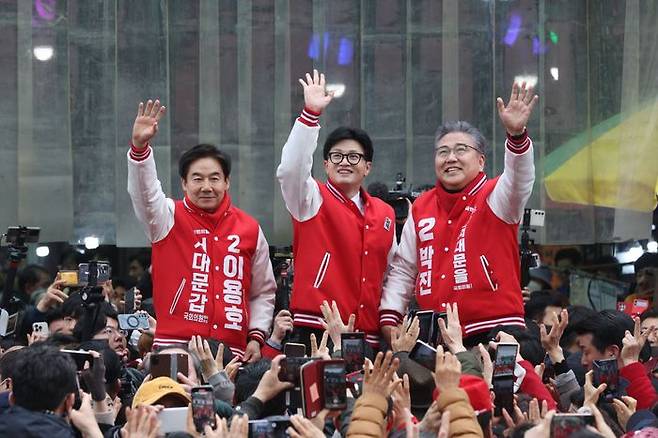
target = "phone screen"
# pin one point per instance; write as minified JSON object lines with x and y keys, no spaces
{"x":505,"y":360}
{"x":335,"y":386}
{"x":426,"y":326}
{"x":606,"y":371}
{"x":549,"y":370}
{"x":260,"y":429}
{"x":290,"y":349}
{"x":424,"y":354}
{"x":565,"y":425}
{"x":352,"y":349}
{"x":203,"y":407}
{"x":290,"y":367}
{"x":169,"y":365}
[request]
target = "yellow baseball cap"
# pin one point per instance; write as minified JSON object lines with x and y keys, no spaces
{"x":153,"y":390}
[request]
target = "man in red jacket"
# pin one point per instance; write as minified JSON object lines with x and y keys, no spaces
{"x":343,"y":237}
{"x":459,"y":244}
{"x":211,"y":269}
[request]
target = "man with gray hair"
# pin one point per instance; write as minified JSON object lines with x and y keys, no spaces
{"x":459,"y":244}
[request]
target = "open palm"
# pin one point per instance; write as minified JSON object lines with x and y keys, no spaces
{"x":146,"y":122}
{"x":316,"y":97}
{"x":517,"y":112}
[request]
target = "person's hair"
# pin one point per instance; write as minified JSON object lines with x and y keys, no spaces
{"x":8,"y":363}
{"x":93,"y":320}
{"x":143,"y":257}
{"x":46,"y":377}
{"x":540,"y":300}
{"x":646,"y":260}
{"x":345,"y":133}
{"x":649,"y":314}
{"x":466,"y":128}
{"x":608,"y":263}
{"x":31,"y":274}
{"x":200,"y":151}
{"x":572,"y":254}
{"x":61,"y":340}
{"x":607,"y":328}
{"x":576,"y":314}
{"x":528,"y":339}
{"x":379,"y":190}
{"x":111,"y":360}
{"x":247,"y":381}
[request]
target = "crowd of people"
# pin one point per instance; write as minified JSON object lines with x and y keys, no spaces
{"x":442,"y":339}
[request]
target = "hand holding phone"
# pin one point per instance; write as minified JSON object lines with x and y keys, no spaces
{"x":203,"y":407}
{"x":606,"y":371}
{"x":424,"y":354}
{"x":353,"y":350}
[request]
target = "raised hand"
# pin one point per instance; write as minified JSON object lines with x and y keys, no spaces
{"x":551,"y":340}
{"x":633,"y":343}
{"x":333,"y":322}
{"x":517,"y":112}
{"x":316,"y":97}
{"x":452,"y":332}
{"x":146,"y":122}
{"x":403,"y":338}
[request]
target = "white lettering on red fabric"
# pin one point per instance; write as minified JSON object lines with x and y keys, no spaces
{"x":233,"y":288}
{"x":460,"y":273}
{"x":198,"y":296}
{"x":425,"y":254}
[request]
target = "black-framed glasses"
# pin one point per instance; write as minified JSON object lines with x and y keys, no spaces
{"x":353,"y":158}
{"x":460,"y":150}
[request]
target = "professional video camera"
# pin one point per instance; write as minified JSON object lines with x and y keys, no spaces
{"x":15,"y":239}
{"x":400,"y":196}
{"x":531,"y":218}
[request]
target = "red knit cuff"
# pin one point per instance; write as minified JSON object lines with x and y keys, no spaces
{"x":390,"y":318}
{"x":140,"y":154}
{"x":256,"y":335}
{"x":518,"y":144}
{"x":309,"y":117}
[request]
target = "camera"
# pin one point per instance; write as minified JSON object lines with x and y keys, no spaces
{"x":133,"y":321}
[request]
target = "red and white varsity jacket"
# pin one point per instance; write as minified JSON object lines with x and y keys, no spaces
{"x":211,"y":271}
{"x":342,"y":247}
{"x":463,"y":248}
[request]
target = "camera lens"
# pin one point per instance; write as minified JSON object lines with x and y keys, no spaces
{"x":132,"y":321}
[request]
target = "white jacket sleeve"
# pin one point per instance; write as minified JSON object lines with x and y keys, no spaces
{"x":514,"y":187}
{"x":300,"y":191}
{"x":153,"y":209}
{"x":263,"y":288}
{"x":401,"y":279}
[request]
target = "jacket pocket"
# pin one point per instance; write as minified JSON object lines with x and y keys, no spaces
{"x":322,"y":270}
{"x":174,"y":302}
{"x":488,"y":273}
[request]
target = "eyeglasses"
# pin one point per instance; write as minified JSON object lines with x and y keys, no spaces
{"x":460,"y":150}
{"x":111,"y":330}
{"x":353,"y":158}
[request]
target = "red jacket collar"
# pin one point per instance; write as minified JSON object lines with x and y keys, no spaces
{"x":336,"y":191}
{"x":214,"y":216}
{"x":447,"y":199}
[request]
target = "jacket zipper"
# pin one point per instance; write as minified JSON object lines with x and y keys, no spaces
{"x":485,"y":267}
{"x":177,"y":296}
{"x":322,"y":270}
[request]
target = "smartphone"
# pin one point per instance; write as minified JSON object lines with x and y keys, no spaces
{"x":290,"y":366}
{"x":203,"y":407}
{"x":438,"y":338}
{"x":94,"y":273}
{"x":169,"y":365}
{"x":173,"y":420}
{"x":291,"y":349}
{"x":133,"y":321}
{"x":311,"y":387}
{"x":606,"y":371}
{"x":565,"y":425}
{"x":272,"y":427}
{"x":505,"y":360}
{"x":503,"y":388}
{"x":129,"y":300}
{"x":426,"y":324}
{"x":80,"y":357}
{"x":334,"y":385}
{"x":353,"y":350}
{"x":549,"y":370}
{"x":70,"y":277}
{"x":424,"y":354}
{"x":41,"y":328}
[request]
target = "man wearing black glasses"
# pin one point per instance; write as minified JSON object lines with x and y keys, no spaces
{"x":343,"y":238}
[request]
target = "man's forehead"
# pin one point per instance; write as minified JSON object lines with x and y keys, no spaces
{"x":347,"y":146}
